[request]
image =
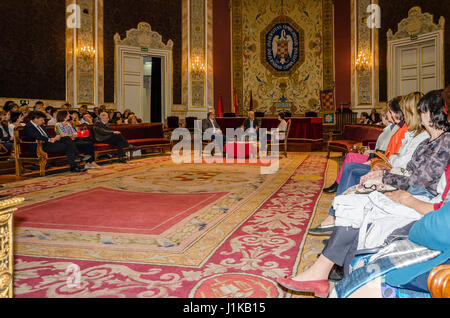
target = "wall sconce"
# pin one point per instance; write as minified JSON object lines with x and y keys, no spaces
{"x":197,"y":65}
{"x":363,"y":62}
{"x":86,"y":51}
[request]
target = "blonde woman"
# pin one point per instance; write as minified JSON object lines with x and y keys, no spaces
{"x":352,"y":173}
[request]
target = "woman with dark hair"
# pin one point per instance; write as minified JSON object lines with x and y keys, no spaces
{"x":126,"y":113}
{"x":64,"y":128}
{"x":279,"y":132}
{"x":365,"y":119}
{"x":117,"y":118}
{"x":16,"y":121}
{"x":75,"y":118}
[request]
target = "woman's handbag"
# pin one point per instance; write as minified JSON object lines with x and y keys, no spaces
{"x":381,"y":163}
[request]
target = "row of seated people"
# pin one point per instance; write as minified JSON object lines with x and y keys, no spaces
{"x":390,"y":219}
{"x":12,"y":116}
{"x":68,"y":141}
{"x":250,"y":128}
{"x":374,"y":118}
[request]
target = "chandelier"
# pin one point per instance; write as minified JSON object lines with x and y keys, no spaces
{"x":197,"y":65}
{"x":86,"y":51}
{"x":363,"y":62}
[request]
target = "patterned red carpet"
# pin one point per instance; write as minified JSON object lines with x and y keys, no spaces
{"x":235,"y":244}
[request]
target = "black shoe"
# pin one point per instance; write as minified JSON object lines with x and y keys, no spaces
{"x":331,"y":189}
{"x":336,"y":274}
{"x":322,"y":230}
{"x":122,"y":160}
{"x":77,"y":169}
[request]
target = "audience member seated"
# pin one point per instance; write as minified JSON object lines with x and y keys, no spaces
{"x":75,"y":118}
{"x":126,"y":113}
{"x":104,"y":134}
{"x":423,"y":178}
{"x":48,"y":110}
{"x":64,"y":128}
{"x":39,"y":106}
{"x":210,"y":125}
{"x":53,"y":121}
{"x":117,"y":119}
{"x":251,"y":125}
{"x":87,"y":119}
{"x":16,"y":121}
{"x":7,"y":106}
{"x":278,"y":133}
{"x":399,"y":152}
{"x":83,"y":110}
{"x":132,"y":120}
{"x":375,"y":117}
{"x":35,"y":129}
{"x":365,"y":119}
{"x":397,"y":112}
{"x":5,"y":137}
{"x":404,"y":277}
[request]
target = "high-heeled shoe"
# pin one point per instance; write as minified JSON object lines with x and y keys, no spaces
{"x":320,"y":288}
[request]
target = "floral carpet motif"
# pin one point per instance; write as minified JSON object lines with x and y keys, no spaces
{"x":261,"y":240}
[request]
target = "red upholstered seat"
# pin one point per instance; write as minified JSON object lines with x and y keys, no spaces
{"x":345,"y":145}
{"x":149,"y":141}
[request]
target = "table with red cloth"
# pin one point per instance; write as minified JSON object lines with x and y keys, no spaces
{"x":241,"y":149}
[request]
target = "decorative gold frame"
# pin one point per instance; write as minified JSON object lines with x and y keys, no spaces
{"x":7,"y":246}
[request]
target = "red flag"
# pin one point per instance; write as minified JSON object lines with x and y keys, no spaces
{"x":219,"y":107}
{"x":236,"y":107}
{"x":251,"y":101}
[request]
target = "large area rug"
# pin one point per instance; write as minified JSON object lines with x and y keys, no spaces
{"x":156,"y":229}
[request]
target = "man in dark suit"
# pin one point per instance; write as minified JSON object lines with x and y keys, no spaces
{"x":35,"y":129}
{"x":251,"y":125}
{"x":105,"y":135}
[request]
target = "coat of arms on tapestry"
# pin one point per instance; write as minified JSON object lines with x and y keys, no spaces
{"x":283,"y":46}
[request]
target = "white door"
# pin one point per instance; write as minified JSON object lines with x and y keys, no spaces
{"x":416,"y":68}
{"x":132,"y":83}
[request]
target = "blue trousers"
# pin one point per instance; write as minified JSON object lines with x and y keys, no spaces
{"x":350,"y":176}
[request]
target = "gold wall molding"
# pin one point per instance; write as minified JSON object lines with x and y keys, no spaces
{"x":197,"y":38}
{"x":7,"y":209}
{"x":365,"y":83}
{"x":415,"y":24}
{"x":85,"y":75}
{"x":144,"y":37}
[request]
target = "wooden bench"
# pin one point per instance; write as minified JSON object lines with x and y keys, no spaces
{"x":145,"y":136}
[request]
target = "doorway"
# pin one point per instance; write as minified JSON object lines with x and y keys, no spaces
{"x":152,"y":89}
{"x":144,"y":81}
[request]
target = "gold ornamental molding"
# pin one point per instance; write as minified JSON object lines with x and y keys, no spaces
{"x":415,"y":24}
{"x":143,"y":37}
{"x":7,"y":246}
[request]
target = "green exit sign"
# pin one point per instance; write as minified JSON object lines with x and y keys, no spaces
{"x":144,"y":49}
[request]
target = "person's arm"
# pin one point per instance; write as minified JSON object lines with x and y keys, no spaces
{"x":407,"y":199}
{"x":32,"y":132}
{"x":396,"y":181}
